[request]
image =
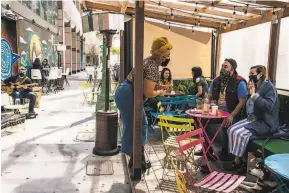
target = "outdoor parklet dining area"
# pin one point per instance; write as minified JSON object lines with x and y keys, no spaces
{"x":179,"y":126}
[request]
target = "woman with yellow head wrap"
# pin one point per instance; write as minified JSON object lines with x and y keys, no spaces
{"x":124,"y":98}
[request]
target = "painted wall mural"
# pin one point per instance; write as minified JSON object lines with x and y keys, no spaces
{"x":9,"y":49}
{"x":35,"y":42}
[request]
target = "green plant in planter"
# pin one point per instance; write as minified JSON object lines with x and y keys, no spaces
{"x":188,"y":87}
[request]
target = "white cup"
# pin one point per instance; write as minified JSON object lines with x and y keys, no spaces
{"x":214,"y":109}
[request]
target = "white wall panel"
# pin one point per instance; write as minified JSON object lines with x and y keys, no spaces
{"x":248,"y":46}
{"x":282,"y":78}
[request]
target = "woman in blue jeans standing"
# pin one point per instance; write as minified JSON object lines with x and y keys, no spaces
{"x":124,"y":98}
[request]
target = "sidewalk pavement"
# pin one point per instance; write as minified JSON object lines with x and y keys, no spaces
{"x":46,"y":154}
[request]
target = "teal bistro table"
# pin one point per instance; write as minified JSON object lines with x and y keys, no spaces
{"x":278,"y":164}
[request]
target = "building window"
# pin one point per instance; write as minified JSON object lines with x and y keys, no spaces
{"x":45,"y":9}
{"x":26,"y":3}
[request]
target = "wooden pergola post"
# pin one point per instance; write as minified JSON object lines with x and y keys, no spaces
{"x":138,"y":88}
{"x":218,"y":53}
{"x":121,"y":73}
{"x":273,"y":50}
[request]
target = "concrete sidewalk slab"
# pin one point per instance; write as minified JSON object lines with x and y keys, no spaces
{"x":43,"y":155}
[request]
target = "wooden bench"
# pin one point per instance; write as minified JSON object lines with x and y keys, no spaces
{"x":275,"y":146}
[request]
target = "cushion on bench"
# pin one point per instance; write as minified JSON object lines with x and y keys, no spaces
{"x":280,"y":133}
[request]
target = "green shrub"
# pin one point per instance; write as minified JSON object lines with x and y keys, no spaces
{"x":187,"y":86}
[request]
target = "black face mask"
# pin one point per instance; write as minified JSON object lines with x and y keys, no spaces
{"x":253,"y":78}
{"x":224,"y":73}
{"x":166,"y":62}
{"x":21,"y":74}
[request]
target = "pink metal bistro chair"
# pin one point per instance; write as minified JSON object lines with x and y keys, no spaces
{"x":217,"y":181}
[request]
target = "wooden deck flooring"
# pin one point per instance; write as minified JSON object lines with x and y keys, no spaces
{"x":152,"y":181}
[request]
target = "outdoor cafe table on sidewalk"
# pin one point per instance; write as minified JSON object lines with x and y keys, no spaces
{"x":207,"y":118}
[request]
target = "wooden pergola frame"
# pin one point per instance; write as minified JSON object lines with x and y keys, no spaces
{"x":222,"y":16}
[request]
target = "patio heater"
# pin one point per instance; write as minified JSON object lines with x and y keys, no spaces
{"x":106,"y":129}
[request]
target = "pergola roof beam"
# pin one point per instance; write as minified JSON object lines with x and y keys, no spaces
{"x":256,"y":21}
{"x":191,"y":7}
{"x":277,"y":4}
{"x":240,"y":7}
{"x":151,"y":14}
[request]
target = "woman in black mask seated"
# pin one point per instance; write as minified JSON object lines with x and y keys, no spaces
{"x":263,"y":118}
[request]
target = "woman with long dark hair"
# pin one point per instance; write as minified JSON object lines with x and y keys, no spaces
{"x":200,"y":81}
{"x":37,"y":65}
{"x":166,"y":79}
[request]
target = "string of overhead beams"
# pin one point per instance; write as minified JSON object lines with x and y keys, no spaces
{"x":224,"y":22}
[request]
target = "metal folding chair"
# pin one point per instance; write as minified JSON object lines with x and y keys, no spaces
{"x":186,"y":97}
{"x":173,"y":126}
{"x":181,"y":181}
{"x":86,"y":89}
{"x":65,"y":74}
{"x":215,"y":181}
{"x":164,"y":110}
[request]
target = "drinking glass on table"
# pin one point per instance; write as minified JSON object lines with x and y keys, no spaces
{"x":213,"y":103}
{"x":219,"y":113}
{"x":214,"y":109}
{"x":199,"y":102}
{"x":206,"y":106}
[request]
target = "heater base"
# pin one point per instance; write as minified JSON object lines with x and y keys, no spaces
{"x":105,"y":152}
{"x":106,"y":132}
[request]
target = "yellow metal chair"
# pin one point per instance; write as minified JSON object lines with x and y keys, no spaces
{"x":173,"y":127}
{"x":86,"y":88}
{"x":181,"y":181}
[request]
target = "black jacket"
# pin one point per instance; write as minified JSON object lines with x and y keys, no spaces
{"x":37,"y":66}
{"x":13,"y":79}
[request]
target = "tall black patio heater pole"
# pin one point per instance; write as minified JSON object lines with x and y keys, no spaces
{"x":107,"y":42}
{"x":106,"y":120}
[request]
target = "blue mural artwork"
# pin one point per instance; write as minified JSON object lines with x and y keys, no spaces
{"x":8,"y":58}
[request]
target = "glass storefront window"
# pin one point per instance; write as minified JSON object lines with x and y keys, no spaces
{"x":35,"y":6}
{"x":44,"y":8}
{"x":26,"y":3}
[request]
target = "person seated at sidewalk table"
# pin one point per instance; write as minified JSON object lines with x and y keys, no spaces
{"x":166,"y":80}
{"x":230,"y":91}
{"x":263,"y":115}
{"x":46,"y":67}
{"x":37,"y":65}
{"x":25,"y":92}
{"x":124,"y":95}
{"x":200,"y":81}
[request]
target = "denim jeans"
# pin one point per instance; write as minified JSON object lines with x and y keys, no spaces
{"x":124,"y":100}
{"x":28,"y":95}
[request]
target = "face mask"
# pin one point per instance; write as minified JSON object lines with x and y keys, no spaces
{"x":254,"y":78}
{"x":165,"y":63}
{"x":224,"y":73}
{"x":21,"y":74}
